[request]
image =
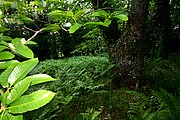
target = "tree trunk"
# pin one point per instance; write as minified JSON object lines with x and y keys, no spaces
{"x":131,"y":49}
{"x":160,"y":28}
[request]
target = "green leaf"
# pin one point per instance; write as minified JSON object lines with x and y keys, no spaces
{"x":31,"y":102}
{"x":5,"y":75}
{"x":30,"y":43}
{"x":59,"y":13}
{"x":21,"y":70}
{"x":18,"y":90}
{"x":122,"y":17}
{"x":3,"y":29}
{"x":19,"y":48}
{"x":5,"y":38}
{"x":2,"y":47}
{"x":74,"y":28}
{"x":6,"y":55}
{"x":52,"y":27}
{"x":6,"y":64}
{"x":24,"y":18}
{"x":8,"y":116}
{"x":39,"y":78}
{"x":107,"y":22}
{"x":101,"y":13}
{"x":79,"y":14}
{"x":96,"y":23}
{"x":3,"y":43}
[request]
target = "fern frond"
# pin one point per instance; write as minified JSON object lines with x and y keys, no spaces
{"x":140,"y":106}
{"x":169,"y":108}
{"x":142,"y":100}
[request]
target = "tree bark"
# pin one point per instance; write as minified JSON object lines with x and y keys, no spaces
{"x":131,"y":49}
{"x":160,"y":28}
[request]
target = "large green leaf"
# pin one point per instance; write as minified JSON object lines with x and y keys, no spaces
{"x":21,"y":70}
{"x":31,"y":102}
{"x":6,"y":55}
{"x":107,"y":22}
{"x":18,"y":90}
{"x":2,"y":47}
{"x":19,"y":48}
{"x":8,"y":116}
{"x":122,"y":17}
{"x":52,"y":27}
{"x":5,"y":38}
{"x":39,"y":78}
{"x":6,"y":64}
{"x":79,"y":14}
{"x":74,"y":28}
{"x":5,"y":75}
{"x":96,"y":23}
{"x":3,"y":43}
{"x":101,"y":13}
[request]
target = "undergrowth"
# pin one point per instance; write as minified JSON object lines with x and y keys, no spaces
{"x":84,"y":91}
{"x":82,"y":83}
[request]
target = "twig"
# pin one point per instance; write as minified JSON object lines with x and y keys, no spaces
{"x":29,"y":29}
{"x":35,"y":34}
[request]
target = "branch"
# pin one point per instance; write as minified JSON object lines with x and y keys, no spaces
{"x":29,"y":29}
{"x":35,"y":34}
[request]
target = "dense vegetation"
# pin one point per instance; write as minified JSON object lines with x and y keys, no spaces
{"x":102,"y":59}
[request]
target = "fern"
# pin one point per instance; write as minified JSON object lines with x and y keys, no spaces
{"x":140,"y":108}
{"x":169,"y":107}
{"x":160,"y":106}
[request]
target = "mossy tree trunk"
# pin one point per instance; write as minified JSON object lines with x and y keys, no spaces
{"x":131,"y":47}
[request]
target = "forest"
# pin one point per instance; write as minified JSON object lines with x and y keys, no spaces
{"x":89,"y":60}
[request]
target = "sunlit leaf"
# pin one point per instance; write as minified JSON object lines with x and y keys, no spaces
{"x":23,"y":18}
{"x":107,"y":22}
{"x":7,"y":116}
{"x":101,"y":13}
{"x":31,"y":102}
{"x":122,"y":17}
{"x":21,"y":49}
{"x":39,"y":78}
{"x":3,"y":29}
{"x":3,"y":43}
{"x":52,"y":27}
{"x":6,"y":55}
{"x":30,"y":43}
{"x":79,"y":14}
{"x":59,"y":13}
{"x":74,"y":28}
{"x":18,"y":90}
{"x":96,"y":23}
{"x":2,"y":47}
{"x":21,"y":70}
{"x":5,"y":75}
{"x":6,"y":64}
{"x":5,"y":38}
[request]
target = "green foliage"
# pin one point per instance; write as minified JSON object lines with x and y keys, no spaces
{"x":91,"y":114}
{"x":79,"y":86}
{"x":14,"y":82}
{"x":93,"y":44}
{"x":159,"y":106}
{"x":15,"y":85}
{"x":164,"y":73}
